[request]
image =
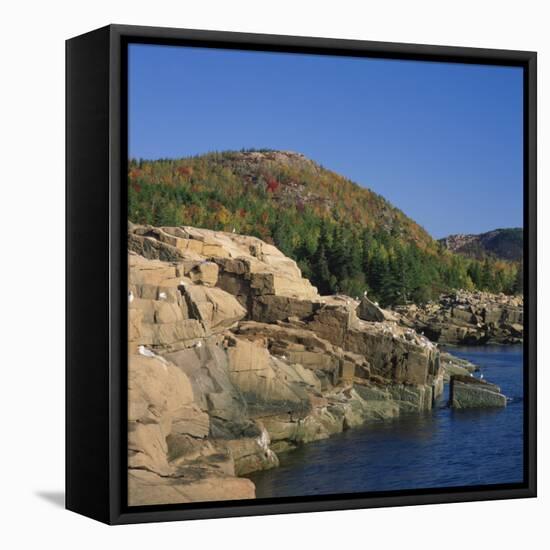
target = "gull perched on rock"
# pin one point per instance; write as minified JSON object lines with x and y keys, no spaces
{"x":130,"y":297}
{"x":145,"y":352}
{"x":162,"y":295}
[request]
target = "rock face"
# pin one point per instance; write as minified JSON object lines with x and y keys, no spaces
{"x":234,"y":357}
{"x":468,"y":318}
{"x":468,"y":392}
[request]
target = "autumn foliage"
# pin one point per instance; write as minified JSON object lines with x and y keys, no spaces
{"x":272,"y":185}
{"x":345,"y":237}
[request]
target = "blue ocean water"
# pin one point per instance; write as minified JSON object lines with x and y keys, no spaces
{"x":442,"y":448}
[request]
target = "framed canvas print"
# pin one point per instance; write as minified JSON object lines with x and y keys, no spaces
{"x":300,"y":274}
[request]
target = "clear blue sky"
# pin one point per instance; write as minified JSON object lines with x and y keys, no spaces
{"x":441,"y":141}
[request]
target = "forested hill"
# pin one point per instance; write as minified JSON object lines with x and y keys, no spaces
{"x":505,"y":244}
{"x":346,"y":238}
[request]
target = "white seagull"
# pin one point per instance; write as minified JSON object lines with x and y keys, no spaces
{"x":130,"y":297}
{"x":146,"y":352}
{"x":162,"y":295}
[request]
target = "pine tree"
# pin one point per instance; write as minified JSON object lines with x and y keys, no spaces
{"x":474,"y":271}
{"x":321,"y":274}
{"x":378,"y":271}
{"x":517,"y":287}
{"x":487,"y":277}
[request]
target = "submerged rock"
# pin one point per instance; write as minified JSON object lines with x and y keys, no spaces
{"x":468,"y":392}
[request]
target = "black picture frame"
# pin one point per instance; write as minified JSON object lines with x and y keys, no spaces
{"x":96,"y":267}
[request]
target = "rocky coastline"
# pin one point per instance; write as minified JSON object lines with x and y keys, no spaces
{"x":468,"y":318}
{"x":235,"y":357}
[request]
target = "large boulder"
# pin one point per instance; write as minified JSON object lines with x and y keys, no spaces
{"x":468,"y":392}
{"x":205,"y":273}
{"x":217,"y":309}
{"x":371,"y":311}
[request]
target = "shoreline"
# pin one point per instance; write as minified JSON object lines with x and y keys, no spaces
{"x":384,"y":435}
{"x":468,"y":318}
{"x":235,"y":357}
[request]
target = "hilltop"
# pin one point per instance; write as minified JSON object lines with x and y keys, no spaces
{"x":504,"y":244}
{"x":344,"y":237}
{"x":290,"y":180}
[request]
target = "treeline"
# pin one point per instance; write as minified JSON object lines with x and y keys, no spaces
{"x":396,"y":272}
{"x":337,"y":253}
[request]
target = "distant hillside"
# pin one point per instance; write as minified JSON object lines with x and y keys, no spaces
{"x":286,"y":179}
{"x":345,"y":237}
{"x":504,"y":244}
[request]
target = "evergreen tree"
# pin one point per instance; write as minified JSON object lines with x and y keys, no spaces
{"x":360,"y":242}
{"x":474,"y":271}
{"x":378,"y":271}
{"x":487,"y":277}
{"x":517,"y":287}
{"x":321,"y":274}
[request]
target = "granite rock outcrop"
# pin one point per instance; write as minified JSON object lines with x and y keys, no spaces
{"x":235,"y":357}
{"x":468,"y":318}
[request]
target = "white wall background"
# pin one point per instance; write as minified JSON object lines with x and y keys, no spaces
{"x":32,"y":272}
